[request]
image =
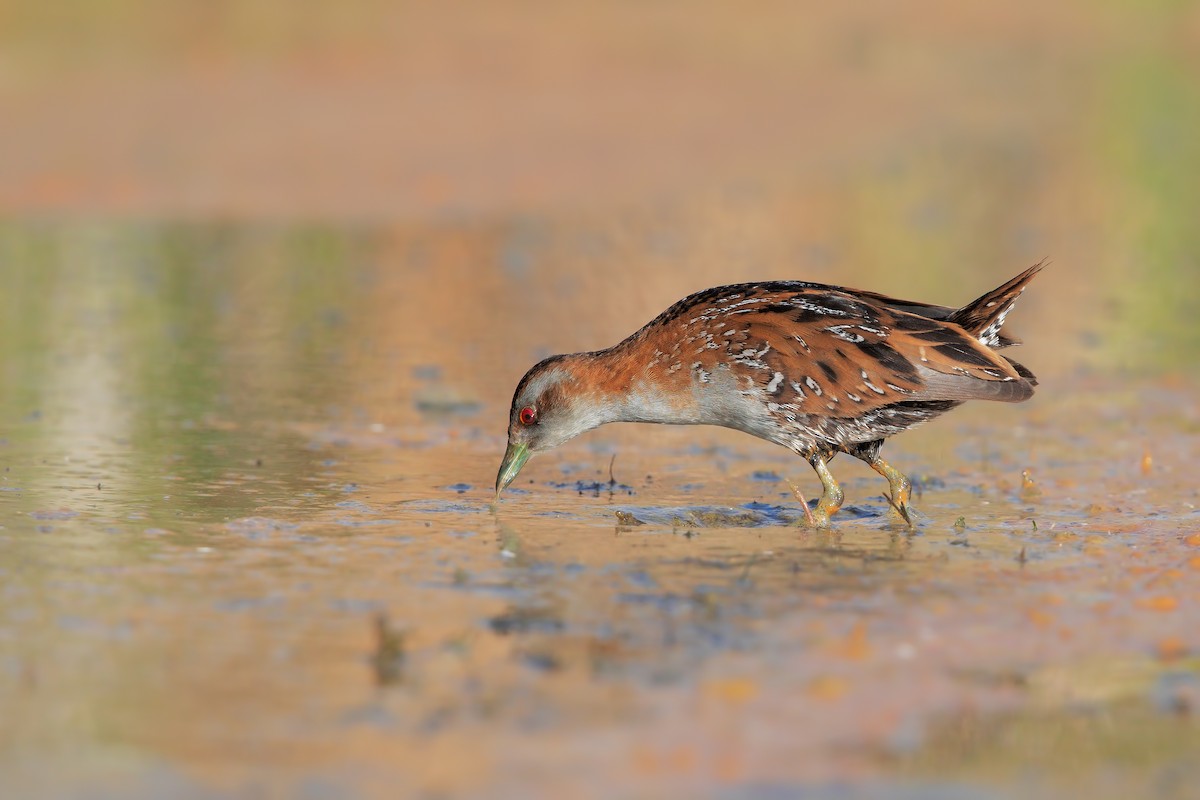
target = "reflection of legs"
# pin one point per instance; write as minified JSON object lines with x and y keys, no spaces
{"x":899,"y":484}
{"x":831,"y":497}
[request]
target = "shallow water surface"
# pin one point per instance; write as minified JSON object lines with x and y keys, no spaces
{"x":248,"y":546}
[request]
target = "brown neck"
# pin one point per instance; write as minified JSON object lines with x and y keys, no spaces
{"x":631,"y":389}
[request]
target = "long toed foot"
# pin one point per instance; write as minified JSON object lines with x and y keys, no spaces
{"x":831,"y":497}
{"x":808,"y":515}
{"x":901,"y":488}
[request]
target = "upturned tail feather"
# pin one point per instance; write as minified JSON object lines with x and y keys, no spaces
{"x":985,"y":317}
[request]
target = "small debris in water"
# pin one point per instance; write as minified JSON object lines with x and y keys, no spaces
{"x":1029,"y":487}
{"x":526,"y":620}
{"x":388,"y":658}
{"x":721,"y":518}
{"x":592,"y":487}
{"x":960,"y":523}
{"x":443,"y":402}
{"x":543,"y":662}
{"x":625,"y":518}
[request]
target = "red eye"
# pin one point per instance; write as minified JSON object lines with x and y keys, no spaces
{"x":528,"y":415}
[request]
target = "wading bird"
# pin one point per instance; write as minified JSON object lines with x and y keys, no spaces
{"x":818,"y":369}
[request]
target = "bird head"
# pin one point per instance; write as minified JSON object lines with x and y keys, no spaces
{"x":552,"y":404}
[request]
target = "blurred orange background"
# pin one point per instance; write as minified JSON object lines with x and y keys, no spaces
{"x":895,"y":146}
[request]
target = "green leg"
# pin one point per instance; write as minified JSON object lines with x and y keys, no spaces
{"x":831,"y":497}
{"x":868,"y":452}
{"x":900,"y":486}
